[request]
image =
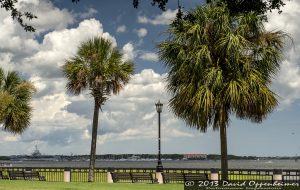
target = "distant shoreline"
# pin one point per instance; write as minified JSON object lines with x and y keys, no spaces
{"x":128,"y":157}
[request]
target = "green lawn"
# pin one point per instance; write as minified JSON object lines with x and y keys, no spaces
{"x":32,"y":185}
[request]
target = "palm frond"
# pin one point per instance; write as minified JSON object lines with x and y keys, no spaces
{"x":98,"y":67}
{"x":15,"y":97}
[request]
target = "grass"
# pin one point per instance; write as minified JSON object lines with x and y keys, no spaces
{"x":37,"y":185}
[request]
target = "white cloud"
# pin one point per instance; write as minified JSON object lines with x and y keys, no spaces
{"x":59,"y":45}
{"x":163,"y":19}
{"x":128,"y":51}
{"x":49,"y":17}
{"x":14,"y":40}
{"x":149,"y":56}
{"x":11,"y":39}
{"x":287,"y":82}
{"x":6,"y":61}
{"x":132,"y":114}
{"x":88,"y":14}
{"x":142,"y":32}
{"x":61,"y":122}
{"x":121,"y":29}
{"x":9,"y":137}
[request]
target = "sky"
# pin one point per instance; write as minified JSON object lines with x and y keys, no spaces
{"x":61,"y":122}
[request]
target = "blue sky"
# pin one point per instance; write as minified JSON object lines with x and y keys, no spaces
{"x":61,"y":123}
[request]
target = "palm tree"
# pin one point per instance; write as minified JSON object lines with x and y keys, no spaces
{"x":15,"y":97}
{"x":221,"y":65}
{"x":99,"y":68}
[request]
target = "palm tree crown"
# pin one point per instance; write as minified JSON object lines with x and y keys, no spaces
{"x":99,"y":68}
{"x":220,"y":65}
{"x":15,"y":97}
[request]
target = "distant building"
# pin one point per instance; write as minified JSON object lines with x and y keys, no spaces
{"x":195,"y":156}
{"x":134,"y":157}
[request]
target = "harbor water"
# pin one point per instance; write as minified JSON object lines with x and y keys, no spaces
{"x":233,"y":164}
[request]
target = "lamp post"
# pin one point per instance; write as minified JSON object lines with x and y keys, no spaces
{"x":159,"y":166}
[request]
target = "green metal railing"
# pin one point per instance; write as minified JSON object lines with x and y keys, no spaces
{"x":81,"y":174}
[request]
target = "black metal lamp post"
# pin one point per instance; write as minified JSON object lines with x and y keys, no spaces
{"x":159,"y":166}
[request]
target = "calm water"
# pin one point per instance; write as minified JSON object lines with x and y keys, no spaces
{"x":235,"y":164}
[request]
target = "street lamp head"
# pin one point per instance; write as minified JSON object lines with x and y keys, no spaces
{"x":159,"y":106}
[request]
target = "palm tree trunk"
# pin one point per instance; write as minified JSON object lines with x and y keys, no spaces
{"x":224,"y":159}
{"x":94,"y":141}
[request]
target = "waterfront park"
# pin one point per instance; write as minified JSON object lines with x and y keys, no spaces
{"x":219,"y":62}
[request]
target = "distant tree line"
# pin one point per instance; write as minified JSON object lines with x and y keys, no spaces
{"x":148,"y":156}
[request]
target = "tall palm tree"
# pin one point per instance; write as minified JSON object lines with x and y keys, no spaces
{"x":99,"y":68}
{"x":221,"y":65}
{"x":15,"y":97}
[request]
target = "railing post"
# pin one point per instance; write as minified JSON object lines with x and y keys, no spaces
{"x":109,"y":176}
{"x":277,"y":175}
{"x":159,"y":177}
{"x":214,"y":174}
{"x":67,"y":175}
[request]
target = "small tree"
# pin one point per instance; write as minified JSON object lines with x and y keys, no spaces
{"x":97,"y":67}
{"x":220,"y":65}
